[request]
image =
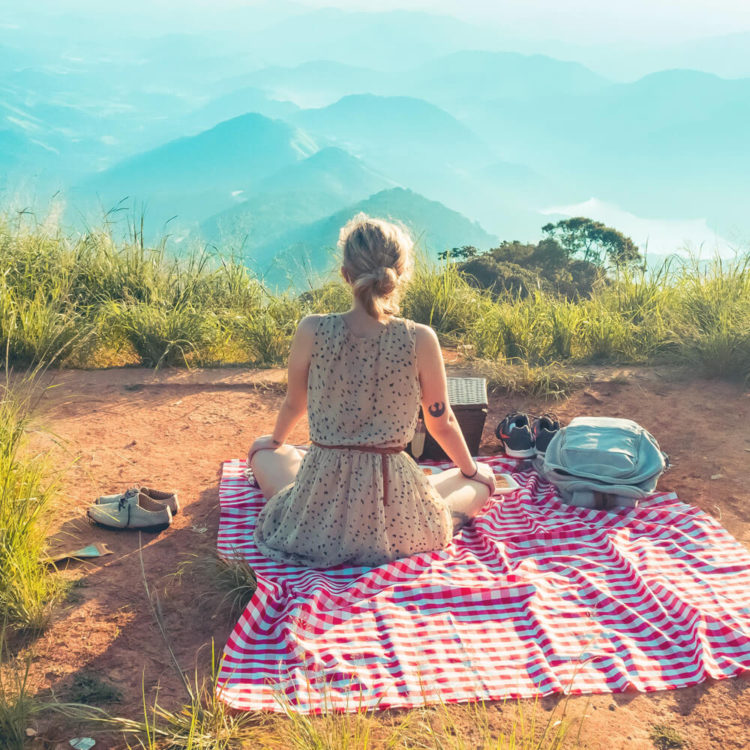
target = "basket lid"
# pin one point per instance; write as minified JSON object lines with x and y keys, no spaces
{"x":467,"y":391}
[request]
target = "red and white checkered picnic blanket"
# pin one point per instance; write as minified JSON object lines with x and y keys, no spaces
{"x":535,"y":597}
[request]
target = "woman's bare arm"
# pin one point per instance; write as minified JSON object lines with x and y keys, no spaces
{"x":298,"y":367}
{"x":438,"y":416}
{"x":295,"y":403}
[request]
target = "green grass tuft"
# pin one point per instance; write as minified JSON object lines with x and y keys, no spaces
{"x":90,"y":689}
{"x":232,"y":577}
{"x":665,"y":737}
{"x":27,"y":585}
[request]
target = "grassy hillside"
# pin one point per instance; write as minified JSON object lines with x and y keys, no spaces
{"x":89,"y":301}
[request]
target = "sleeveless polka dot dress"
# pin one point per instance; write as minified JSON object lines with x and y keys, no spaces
{"x":362,"y":391}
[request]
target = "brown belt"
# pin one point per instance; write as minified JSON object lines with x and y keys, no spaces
{"x":382,"y":452}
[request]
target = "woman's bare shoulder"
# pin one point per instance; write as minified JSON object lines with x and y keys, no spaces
{"x":425,"y":342}
{"x":306,"y":329}
{"x":309,"y":323}
{"x":424,"y":334}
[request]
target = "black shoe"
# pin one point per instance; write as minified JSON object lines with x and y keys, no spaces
{"x":544,"y":430}
{"x":514,"y":432}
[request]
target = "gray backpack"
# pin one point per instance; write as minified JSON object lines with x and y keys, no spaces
{"x":602,"y":461}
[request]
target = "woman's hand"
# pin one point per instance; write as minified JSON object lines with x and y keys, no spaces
{"x":264,"y":442}
{"x":485,"y":475}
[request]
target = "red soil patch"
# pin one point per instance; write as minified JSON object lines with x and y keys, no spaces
{"x":172,"y":429}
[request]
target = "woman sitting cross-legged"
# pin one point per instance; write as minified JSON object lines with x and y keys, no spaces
{"x":355,"y":497}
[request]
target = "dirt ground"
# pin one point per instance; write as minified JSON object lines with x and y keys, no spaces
{"x":110,"y":429}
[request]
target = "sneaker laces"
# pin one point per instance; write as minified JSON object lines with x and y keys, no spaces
{"x":123,"y":501}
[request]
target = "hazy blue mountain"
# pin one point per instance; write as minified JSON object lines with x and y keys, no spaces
{"x":194,"y":177}
{"x":423,"y":147}
{"x":506,"y":198}
{"x":727,"y":55}
{"x":682,"y":146}
{"x":510,"y":173}
{"x":413,"y":142}
{"x":13,"y":57}
{"x":479,"y":75}
{"x":332,"y":170}
{"x":229,"y":106}
{"x":447,"y":80}
{"x":297,"y":194}
{"x":32,"y":104}
{"x":311,"y":249}
{"x":192,"y":62}
{"x":91,"y":122}
{"x":669,"y":144}
{"x":319,"y":82}
{"x":19,"y":154}
{"x":597,"y":120}
{"x":672,"y":96}
{"x":395,"y":124}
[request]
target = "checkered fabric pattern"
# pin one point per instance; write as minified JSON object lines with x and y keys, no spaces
{"x":535,"y":597}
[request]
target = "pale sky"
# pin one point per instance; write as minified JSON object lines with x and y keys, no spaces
{"x":577,"y":21}
{"x":673,"y":19}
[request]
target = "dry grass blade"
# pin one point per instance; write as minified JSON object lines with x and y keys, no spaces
{"x":232,"y":576}
{"x":548,"y":381}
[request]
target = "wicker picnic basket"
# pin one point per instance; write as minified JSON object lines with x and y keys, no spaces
{"x":468,"y":398}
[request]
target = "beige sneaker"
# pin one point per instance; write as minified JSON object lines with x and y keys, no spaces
{"x":134,"y":510}
{"x":165,"y":498}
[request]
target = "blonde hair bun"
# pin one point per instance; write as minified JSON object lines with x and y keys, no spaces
{"x":378,"y":261}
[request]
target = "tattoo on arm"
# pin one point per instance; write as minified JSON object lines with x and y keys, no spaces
{"x":437,"y":409}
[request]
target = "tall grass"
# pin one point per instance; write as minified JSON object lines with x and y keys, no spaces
{"x":709,"y":322}
{"x":205,"y":723}
{"x":440,"y":297}
{"x":17,"y":705}
{"x":26,"y":585}
{"x":87,"y":300}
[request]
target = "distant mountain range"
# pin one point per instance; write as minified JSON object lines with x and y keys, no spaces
{"x":265,"y":188}
{"x":669,"y":145}
{"x":446,"y":80}
{"x":265,"y":136}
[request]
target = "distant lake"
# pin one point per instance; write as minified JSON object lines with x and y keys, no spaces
{"x":655,"y":236}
